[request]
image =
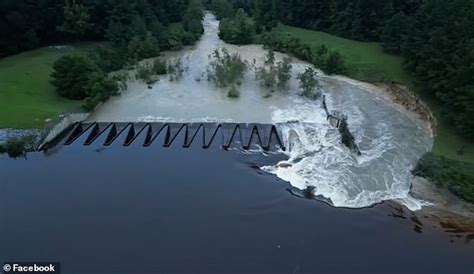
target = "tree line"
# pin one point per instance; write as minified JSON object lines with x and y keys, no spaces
{"x":25,"y":25}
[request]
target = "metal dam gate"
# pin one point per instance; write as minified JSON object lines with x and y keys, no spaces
{"x":225,"y":135}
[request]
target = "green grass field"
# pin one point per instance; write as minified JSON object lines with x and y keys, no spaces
{"x":367,"y":61}
{"x":27,"y":98}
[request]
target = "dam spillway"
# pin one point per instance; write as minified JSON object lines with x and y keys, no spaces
{"x":226,"y":135}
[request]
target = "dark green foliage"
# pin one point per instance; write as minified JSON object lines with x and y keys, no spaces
{"x":233,"y":92}
{"x":222,"y":8}
{"x":109,"y":59}
{"x":76,"y":19}
{"x":265,"y":14}
{"x":439,"y":50}
{"x":308,"y":83}
{"x":361,"y":20}
{"x":159,"y":67}
{"x":99,"y":89}
{"x":192,"y":19}
{"x":395,"y":32}
{"x":28,"y":24}
{"x":274,"y":74}
{"x":284,"y":72}
{"x":330,"y":61}
{"x":456,"y":176}
{"x":284,"y":43}
{"x":71,"y":75}
{"x":141,"y":48}
{"x":237,"y":30}
{"x":144,"y":73}
{"x":78,"y":77}
{"x":14,"y":147}
{"x":333,"y":63}
{"x":226,"y":69}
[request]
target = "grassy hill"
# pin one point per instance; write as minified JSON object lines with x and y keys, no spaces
{"x":367,"y":61}
{"x":26,"y":96}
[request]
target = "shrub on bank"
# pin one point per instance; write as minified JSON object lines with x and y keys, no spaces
{"x":329,"y":61}
{"x":159,"y":67}
{"x":458,"y":177}
{"x":14,"y":147}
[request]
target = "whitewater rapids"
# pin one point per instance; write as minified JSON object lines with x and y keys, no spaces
{"x":391,"y":140}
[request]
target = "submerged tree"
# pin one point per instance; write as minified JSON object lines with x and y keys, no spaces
{"x":308,"y":83}
{"x":274,"y":74}
{"x":226,"y":69}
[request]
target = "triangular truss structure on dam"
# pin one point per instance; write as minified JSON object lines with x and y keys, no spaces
{"x":225,"y":135}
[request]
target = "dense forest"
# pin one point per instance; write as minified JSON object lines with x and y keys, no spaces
{"x":26,"y":24}
{"x":436,"y":38}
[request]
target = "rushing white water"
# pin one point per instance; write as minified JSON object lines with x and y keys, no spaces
{"x":390,"y":140}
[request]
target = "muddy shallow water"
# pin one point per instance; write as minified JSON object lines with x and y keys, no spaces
{"x":390,"y":140}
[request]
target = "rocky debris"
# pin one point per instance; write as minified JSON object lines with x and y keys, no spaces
{"x":442,"y":199}
{"x":347,"y":137}
{"x":6,"y":134}
{"x":411,"y":102}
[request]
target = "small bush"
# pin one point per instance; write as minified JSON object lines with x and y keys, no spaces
{"x":175,"y":70}
{"x":14,"y":147}
{"x":159,"y":67}
{"x":233,"y":92}
{"x":144,"y":73}
{"x":334,"y":63}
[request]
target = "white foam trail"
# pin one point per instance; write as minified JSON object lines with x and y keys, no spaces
{"x":317,"y":158}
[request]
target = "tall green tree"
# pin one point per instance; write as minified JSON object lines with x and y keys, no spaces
{"x":395,"y":32}
{"x":71,"y":76}
{"x":76,"y":19}
{"x":265,"y":14}
{"x":237,"y":30}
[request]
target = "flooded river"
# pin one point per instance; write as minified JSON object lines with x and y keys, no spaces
{"x":390,"y":140}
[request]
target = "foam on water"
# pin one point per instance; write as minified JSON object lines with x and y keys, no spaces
{"x":390,"y":140}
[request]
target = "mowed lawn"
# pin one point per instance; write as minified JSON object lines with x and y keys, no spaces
{"x":27,"y":98}
{"x":367,"y":61}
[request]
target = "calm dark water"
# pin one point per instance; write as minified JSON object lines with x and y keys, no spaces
{"x":175,"y":210}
